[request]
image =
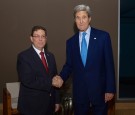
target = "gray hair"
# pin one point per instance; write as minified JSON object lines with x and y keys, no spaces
{"x":82,"y":7}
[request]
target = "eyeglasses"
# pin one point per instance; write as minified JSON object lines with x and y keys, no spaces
{"x":37,"y":37}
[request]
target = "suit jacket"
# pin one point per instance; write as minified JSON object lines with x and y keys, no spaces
{"x":90,"y":83}
{"x":36,"y":91}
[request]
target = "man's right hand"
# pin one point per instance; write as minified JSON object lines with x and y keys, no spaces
{"x":57,"y":81}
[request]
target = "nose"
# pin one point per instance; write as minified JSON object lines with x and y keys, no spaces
{"x":81,"y":20}
{"x":40,"y":37}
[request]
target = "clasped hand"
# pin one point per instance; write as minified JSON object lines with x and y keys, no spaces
{"x":57,"y":81}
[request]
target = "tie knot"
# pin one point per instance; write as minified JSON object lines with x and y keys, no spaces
{"x":42,"y":53}
{"x":83,"y":34}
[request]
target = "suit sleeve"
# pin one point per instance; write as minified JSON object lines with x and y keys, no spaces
{"x":67,"y":68}
{"x":109,"y":64}
{"x":56,"y":90}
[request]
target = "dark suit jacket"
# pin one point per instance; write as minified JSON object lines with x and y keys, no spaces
{"x":36,"y":91}
{"x":92,"y":81}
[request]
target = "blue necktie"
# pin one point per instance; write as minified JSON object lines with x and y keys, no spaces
{"x":83,"y":48}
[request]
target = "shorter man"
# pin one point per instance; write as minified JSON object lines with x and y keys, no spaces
{"x":36,"y":67}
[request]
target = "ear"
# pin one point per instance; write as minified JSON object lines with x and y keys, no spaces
{"x":89,"y":19}
{"x":31,"y":38}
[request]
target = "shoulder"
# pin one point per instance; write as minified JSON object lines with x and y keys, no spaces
{"x":73,"y":38}
{"x":99,"y":31}
{"x":48,"y":53}
{"x":26,"y":52}
{"x":101,"y":35}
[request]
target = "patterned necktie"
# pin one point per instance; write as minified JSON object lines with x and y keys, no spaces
{"x":83,"y":48}
{"x":44,"y":61}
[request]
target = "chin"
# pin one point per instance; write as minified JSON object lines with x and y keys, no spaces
{"x":81,"y":30}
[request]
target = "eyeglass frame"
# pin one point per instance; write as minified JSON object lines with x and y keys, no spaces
{"x":37,"y":36}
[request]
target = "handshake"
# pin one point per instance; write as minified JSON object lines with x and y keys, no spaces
{"x":57,"y":81}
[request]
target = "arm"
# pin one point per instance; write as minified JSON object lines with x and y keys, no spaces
{"x":66,"y":70}
{"x":57,"y":93}
{"x":110,"y":73}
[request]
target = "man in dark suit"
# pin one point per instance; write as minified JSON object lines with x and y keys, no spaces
{"x":37,"y":96}
{"x":89,"y":57}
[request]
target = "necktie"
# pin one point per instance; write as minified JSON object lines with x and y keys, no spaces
{"x":44,"y":61}
{"x":83,"y":48}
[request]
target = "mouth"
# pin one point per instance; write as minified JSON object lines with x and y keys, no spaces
{"x":81,"y":25}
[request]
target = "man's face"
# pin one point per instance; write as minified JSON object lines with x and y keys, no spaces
{"x":82,"y":20}
{"x":39,"y":39}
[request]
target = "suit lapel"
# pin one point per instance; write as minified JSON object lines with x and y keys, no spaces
{"x":37,"y":59}
{"x":47,"y":57}
{"x":77,"y":48}
{"x":91,"y":47}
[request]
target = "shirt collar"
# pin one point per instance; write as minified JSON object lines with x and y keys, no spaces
{"x":87,"y":31}
{"x":37,"y":50}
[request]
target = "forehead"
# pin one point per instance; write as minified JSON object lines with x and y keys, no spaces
{"x":81,"y":13}
{"x":39,"y":31}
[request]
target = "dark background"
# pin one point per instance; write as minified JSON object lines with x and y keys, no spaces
{"x":17,"y":17}
{"x":127,"y":38}
{"x":127,"y":50}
